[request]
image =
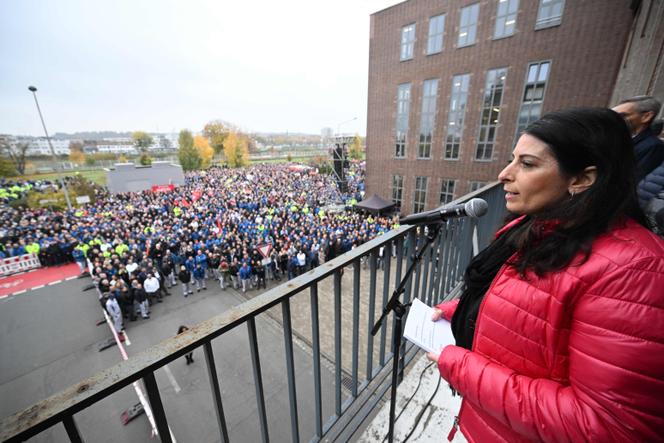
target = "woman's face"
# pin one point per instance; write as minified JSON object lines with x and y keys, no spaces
{"x":532,"y":180}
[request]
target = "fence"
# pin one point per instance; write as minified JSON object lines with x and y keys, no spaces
{"x":12,"y":265}
{"x":360,"y":365}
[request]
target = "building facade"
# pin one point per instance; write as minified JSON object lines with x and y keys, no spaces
{"x":452,"y":84}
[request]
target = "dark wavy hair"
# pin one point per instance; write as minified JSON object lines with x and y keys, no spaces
{"x":579,"y":138}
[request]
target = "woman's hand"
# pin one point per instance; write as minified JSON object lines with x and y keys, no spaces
{"x":433,"y":356}
{"x":437,"y":314}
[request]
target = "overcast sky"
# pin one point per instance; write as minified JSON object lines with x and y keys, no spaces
{"x":165,"y":65}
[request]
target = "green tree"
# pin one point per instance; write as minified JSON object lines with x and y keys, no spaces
{"x":355,"y":151}
{"x":189,"y":157}
{"x":7,"y":168}
{"x":145,"y":159}
{"x":142,"y":140}
{"x":216,"y":132}
{"x":16,"y":154}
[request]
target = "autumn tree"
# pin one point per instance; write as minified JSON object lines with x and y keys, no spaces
{"x":355,"y":150}
{"x":16,"y":154}
{"x":76,"y":154}
{"x":189,"y":157}
{"x":216,"y":132}
{"x":142,"y":140}
{"x":236,"y":150}
{"x":205,"y":151}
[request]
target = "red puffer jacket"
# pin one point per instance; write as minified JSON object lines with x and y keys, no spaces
{"x":576,"y":355}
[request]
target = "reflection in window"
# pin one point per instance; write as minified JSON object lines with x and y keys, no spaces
{"x":407,"y":41}
{"x":533,"y":95}
{"x":474,"y":186}
{"x":403,"y":108}
{"x":420,"y":197}
{"x":436,"y":31}
{"x":506,"y":18}
{"x":550,"y":13}
{"x":447,"y":191}
{"x":468,"y":25}
{"x":455,"y":116}
{"x":427,"y":117}
{"x":493,"y":97}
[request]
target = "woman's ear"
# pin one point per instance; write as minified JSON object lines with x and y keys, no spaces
{"x":583,"y":181}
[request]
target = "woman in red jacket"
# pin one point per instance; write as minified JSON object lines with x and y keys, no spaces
{"x":560,"y":327}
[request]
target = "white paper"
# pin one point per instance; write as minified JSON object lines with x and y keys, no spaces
{"x":428,"y":335}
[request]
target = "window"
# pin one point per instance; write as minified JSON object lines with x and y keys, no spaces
{"x":427,"y":118}
{"x":436,"y":31}
{"x":533,"y":95}
{"x":397,"y":189}
{"x":407,"y":41}
{"x":420,"y":196}
{"x":456,"y":114}
{"x":474,"y":186}
{"x":550,"y":13}
{"x":493,"y":96}
{"x":403,"y":108}
{"x":447,"y":191}
{"x":506,"y":18}
{"x":468,"y":25}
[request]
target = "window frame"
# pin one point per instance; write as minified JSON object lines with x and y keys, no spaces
{"x":488,"y":139}
{"x":402,"y":120}
{"x":418,"y":192}
{"x":474,"y":26}
{"x":408,"y":44}
{"x":427,"y":119}
{"x":505,"y":18}
{"x":446,"y":195}
{"x":519,"y":127}
{"x":397,"y":189}
{"x":437,"y":35}
{"x":549,"y":22}
{"x":452,"y":112}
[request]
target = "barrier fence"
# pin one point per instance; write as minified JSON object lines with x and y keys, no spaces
{"x":359,"y":364}
{"x":21,"y":263}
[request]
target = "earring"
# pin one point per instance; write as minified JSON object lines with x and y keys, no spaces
{"x":571,"y":194}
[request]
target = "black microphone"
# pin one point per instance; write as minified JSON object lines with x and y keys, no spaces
{"x":474,"y":208}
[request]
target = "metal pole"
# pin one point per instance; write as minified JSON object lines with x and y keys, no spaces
{"x":50,"y":145}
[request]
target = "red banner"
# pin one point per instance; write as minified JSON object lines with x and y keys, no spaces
{"x":163,"y":188}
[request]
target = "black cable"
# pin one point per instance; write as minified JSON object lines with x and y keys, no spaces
{"x":419,"y":382}
{"x":419,"y":416}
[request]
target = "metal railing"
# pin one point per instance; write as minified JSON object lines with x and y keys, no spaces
{"x":359,"y":385}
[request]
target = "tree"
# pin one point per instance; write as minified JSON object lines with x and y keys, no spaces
{"x":189,"y":158}
{"x":16,"y":154}
{"x":236,"y":150}
{"x":7,"y":168}
{"x":355,"y":151}
{"x":216,"y":132}
{"x":142,"y":140}
{"x":76,"y":154}
{"x":204,"y":149}
{"x":145,"y":159}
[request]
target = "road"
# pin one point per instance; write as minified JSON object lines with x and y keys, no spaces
{"x":49,"y":339}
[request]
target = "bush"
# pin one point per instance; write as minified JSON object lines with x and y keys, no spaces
{"x":145,"y":160}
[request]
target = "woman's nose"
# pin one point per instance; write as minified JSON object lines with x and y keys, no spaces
{"x":505,"y":175}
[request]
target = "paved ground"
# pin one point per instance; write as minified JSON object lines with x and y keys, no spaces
{"x":18,"y":284}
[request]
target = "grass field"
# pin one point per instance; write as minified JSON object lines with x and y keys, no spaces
{"x":98,"y":176}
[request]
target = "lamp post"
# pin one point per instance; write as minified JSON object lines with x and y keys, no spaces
{"x":50,"y":145}
{"x":343,"y":123}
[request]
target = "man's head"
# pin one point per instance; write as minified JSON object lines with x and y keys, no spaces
{"x":638,"y":112}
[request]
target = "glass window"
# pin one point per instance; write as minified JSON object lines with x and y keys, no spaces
{"x":474,"y":186}
{"x":456,"y":114}
{"x":506,"y":18}
{"x":436,"y":31}
{"x":550,"y":13}
{"x":403,"y":108}
{"x":468,"y":25}
{"x":533,"y":95}
{"x":427,"y":117}
{"x":420,"y":197}
{"x":397,"y":189}
{"x":447,"y":191}
{"x":489,"y":118}
{"x":407,"y":41}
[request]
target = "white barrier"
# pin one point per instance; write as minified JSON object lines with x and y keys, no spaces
{"x":12,"y":265}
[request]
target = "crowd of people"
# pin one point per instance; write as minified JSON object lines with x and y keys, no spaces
{"x":140,"y":245}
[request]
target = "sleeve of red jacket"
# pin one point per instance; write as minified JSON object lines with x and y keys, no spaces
{"x":448,"y":308}
{"x":616,"y":369}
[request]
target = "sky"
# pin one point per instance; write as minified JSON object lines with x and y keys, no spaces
{"x":166,"y":65}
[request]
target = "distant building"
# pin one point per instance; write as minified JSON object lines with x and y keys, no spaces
{"x":39,"y":146}
{"x":452,"y":84}
{"x":127,"y":177}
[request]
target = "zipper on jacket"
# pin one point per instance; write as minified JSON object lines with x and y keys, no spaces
{"x":454,"y":429}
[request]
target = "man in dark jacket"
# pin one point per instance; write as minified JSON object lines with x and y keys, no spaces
{"x":185,"y":277}
{"x":639,"y":113}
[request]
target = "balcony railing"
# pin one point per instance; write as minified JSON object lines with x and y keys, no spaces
{"x":358,"y":363}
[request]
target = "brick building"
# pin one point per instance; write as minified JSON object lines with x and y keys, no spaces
{"x":452,"y":83}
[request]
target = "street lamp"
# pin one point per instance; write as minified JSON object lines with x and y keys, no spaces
{"x":343,"y":123}
{"x":48,"y":139}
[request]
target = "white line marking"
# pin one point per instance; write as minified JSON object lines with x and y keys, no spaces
{"x":169,"y":374}
{"x":38,"y":287}
{"x":55,"y":282}
{"x":20,"y":292}
{"x":70,"y":278}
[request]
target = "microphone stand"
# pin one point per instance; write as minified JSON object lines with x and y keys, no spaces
{"x":400,"y":310}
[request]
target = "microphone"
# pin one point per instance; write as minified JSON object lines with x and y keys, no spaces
{"x":474,"y":208}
